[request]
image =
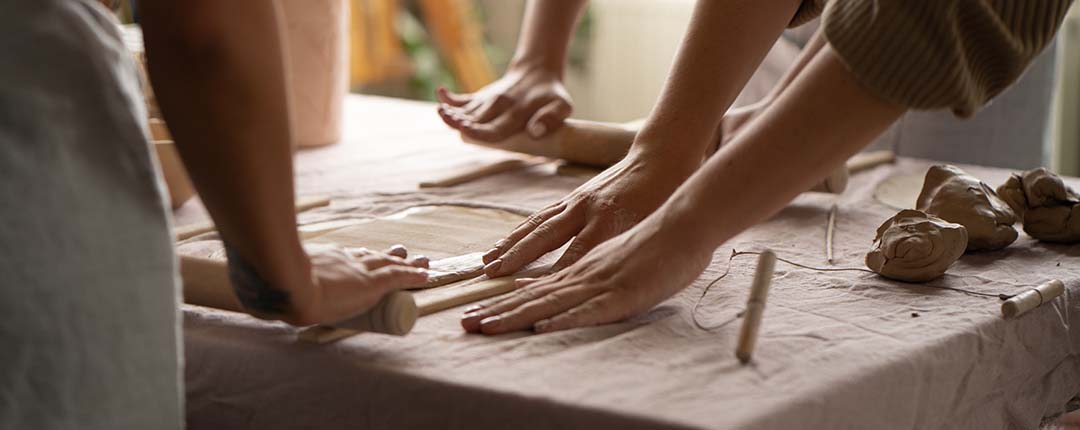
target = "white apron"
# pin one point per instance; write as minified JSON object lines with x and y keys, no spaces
{"x":88,"y":299}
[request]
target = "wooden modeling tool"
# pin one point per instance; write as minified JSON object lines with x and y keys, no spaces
{"x":302,"y":204}
{"x":477,"y":172}
{"x":1031,"y":299}
{"x":206,"y":283}
{"x":755,"y":306}
{"x":869,"y":160}
{"x":830,"y":231}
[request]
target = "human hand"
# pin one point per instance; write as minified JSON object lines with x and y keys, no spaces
{"x":610,"y":203}
{"x":525,"y":98}
{"x":734,"y":121}
{"x":620,"y":278}
{"x":346,"y":282}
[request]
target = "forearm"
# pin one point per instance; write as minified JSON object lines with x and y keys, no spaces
{"x":725,"y":43}
{"x":221,"y":85}
{"x":545,"y":35}
{"x":822,"y":119}
{"x":813,"y":46}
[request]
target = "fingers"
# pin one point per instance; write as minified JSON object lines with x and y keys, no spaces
{"x":398,"y":277}
{"x":477,"y":313}
{"x":585,"y":241}
{"x":452,"y":99}
{"x":498,"y":129}
{"x":546,"y":237}
{"x":492,"y":109}
{"x":522,"y":230}
{"x":548,"y":118}
{"x":395,"y":255}
{"x":398,"y":251}
{"x":601,"y":309}
{"x":555,"y":301}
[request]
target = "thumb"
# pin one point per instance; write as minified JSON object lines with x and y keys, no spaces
{"x":548,"y":118}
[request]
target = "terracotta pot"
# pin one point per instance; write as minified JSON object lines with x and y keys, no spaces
{"x":316,"y":41}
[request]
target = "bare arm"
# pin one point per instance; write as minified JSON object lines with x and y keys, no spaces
{"x":530,"y":96}
{"x":822,"y":119}
{"x":546,"y":32}
{"x":725,"y":43}
{"x":222,"y":89}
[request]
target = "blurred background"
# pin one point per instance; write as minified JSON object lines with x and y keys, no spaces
{"x":621,"y":52}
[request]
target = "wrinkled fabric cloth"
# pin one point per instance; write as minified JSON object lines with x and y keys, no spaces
{"x":836,"y":350}
{"x":89,"y":313}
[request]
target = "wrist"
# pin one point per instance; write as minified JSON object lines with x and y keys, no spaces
{"x":543,"y":64}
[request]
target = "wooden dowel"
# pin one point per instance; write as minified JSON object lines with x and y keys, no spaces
{"x":869,"y":160}
{"x":830,"y":230}
{"x":755,"y":306}
{"x":1031,"y":299}
{"x":206,"y":283}
{"x":302,"y":204}
{"x":477,"y":172}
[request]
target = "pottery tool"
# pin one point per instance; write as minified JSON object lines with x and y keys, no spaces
{"x":755,"y":306}
{"x":435,"y":300}
{"x":206,"y":282}
{"x":481,"y":171}
{"x":302,"y":204}
{"x":1031,"y":299}
{"x":830,"y":230}
{"x":869,"y":160}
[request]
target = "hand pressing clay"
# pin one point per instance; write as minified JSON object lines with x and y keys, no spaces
{"x":914,"y":246}
{"x":955,"y":196}
{"x":1049,"y":209}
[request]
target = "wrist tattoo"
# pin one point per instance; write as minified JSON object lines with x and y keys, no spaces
{"x":253,"y":291}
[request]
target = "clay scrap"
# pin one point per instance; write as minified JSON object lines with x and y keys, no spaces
{"x":1049,"y":209}
{"x":955,"y":196}
{"x":914,"y":246}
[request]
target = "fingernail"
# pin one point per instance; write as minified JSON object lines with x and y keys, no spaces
{"x":490,"y":255}
{"x":493,"y":267}
{"x":491,"y":322}
{"x":501,"y":243}
{"x":537,"y":129}
{"x":473,"y":309}
{"x":471,"y":315}
{"x":542,"y":326}
{"x":422,"y":261}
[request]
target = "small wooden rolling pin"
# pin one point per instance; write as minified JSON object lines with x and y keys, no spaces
{"x":206,"y":283}
{"x":1031,"y":299}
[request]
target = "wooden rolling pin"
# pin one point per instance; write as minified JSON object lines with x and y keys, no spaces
{"x":302,"y":204}
{"x":437,"y":300}
{"x":206,"y":283}
{"x":1031,"y":299}
{"x":591,"y":143}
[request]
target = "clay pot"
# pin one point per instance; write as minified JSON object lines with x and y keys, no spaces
{"x":316,"y":43}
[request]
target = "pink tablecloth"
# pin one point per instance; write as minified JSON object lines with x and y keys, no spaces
{"x":837,"y":350}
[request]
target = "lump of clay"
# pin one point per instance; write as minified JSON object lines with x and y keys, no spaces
{"x":1049,"y":209}
{"x":953,"y":195}
{"x":914,"y":246}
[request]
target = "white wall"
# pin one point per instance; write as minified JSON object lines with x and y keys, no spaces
{"x":632,"y":47}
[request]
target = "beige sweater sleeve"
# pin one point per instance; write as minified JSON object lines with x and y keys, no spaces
{"x":934,"y":54}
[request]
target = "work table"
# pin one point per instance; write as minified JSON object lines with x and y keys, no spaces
{"x":836,"y":350}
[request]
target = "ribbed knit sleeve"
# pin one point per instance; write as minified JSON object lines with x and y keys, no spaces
{"x":808,"y":10}
{"x":933,"y":54}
